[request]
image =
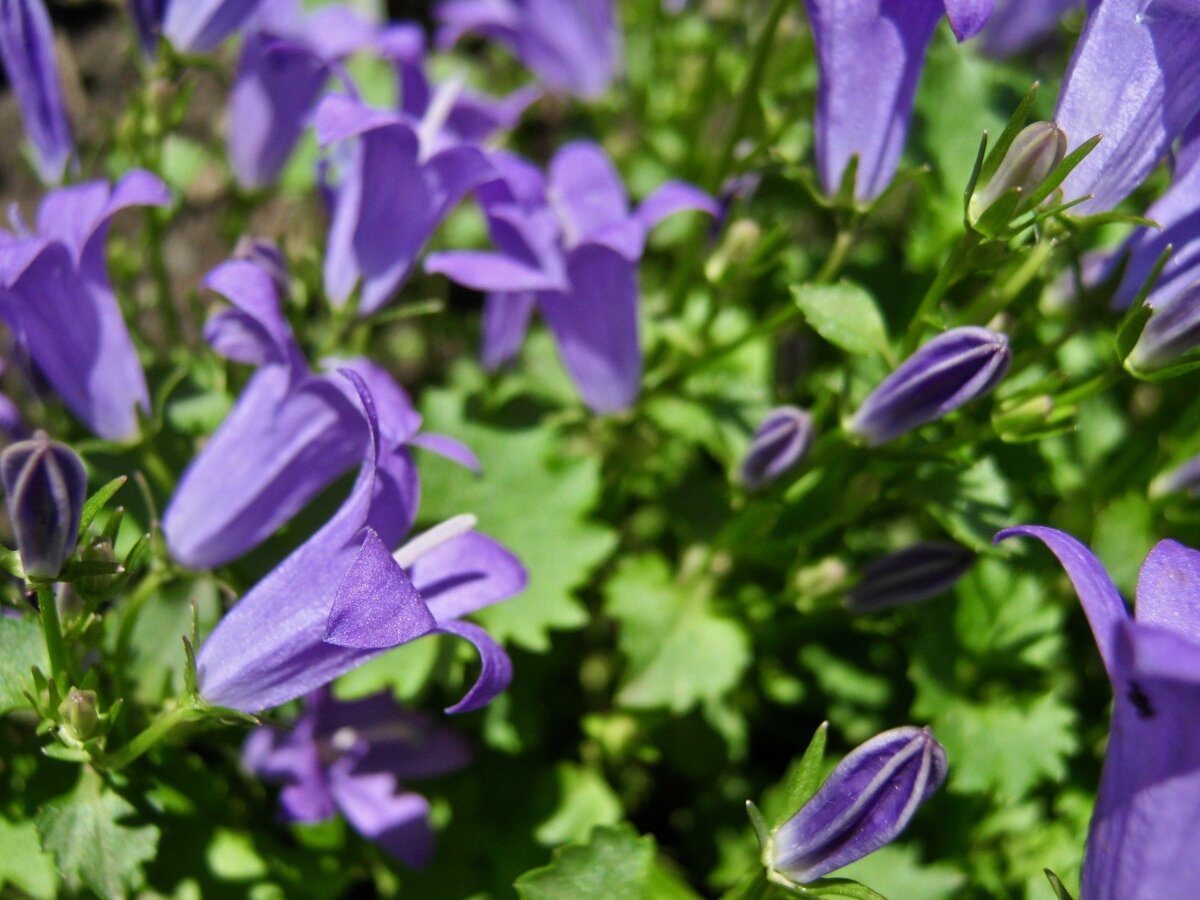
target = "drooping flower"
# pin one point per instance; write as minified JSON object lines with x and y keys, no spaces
{"x":290,"y":435}
{"x":1142,"y":843}
{"x":569,"y":245}
{"x":45,"y":485}
{"x":27,"y":51}
{"x":910,"y":575}
{"x":341,"y":598}
{"x":779,"y":443}
{"x":952,"y":369}
{"x":353,"y":757}
{"x":870,"y":54}
{"x":1135,"y":80}
{"x":197,"y":26}
{"x":865,"y":803}
{"x":56,"y":297}
{"x":571,"y":46}
{"x":1017,"y":24}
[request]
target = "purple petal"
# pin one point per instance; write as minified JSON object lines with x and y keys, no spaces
{"x":398,"y":418}
{"x":147,"y":19}
{"x":1102,"y":604}
{"x":255,"y":330}
{"x":79,"y":215}
{"x":197,"y":26}
{"x":586,"y":190}
{"x":675,"y":197}
{"x":1016,"y":24}
{"x":967,"y":17}
{"x":1135,"y":80}
{"x":596,"y":327}
{"x":476,"y":117}
{"x":484,"y":271}
{"x":448,"y":447}
{"x":869,"y":53}
{"x":27,"y":50}
{"x":395,"y":820}
{"x":1168,"y":590}
{"x":466,"y":574}
{"x":497,"y":19}
{"x":505,"y":321}
{"x":571,"y":47}
{"x":495,"y":674}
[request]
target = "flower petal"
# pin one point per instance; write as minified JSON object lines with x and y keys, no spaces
{"x":466,"y":574}
{"x":586,"y":190}
{"x":1168,"y":590}
{"x":495,"y":674}
{"x":505,"y":322}
{"x":27,"y":49}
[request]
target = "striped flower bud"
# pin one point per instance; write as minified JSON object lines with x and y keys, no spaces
{"x":1172,"y":331}
{"x":46,"y":487}
{"x":950,"y":370}
{"x":1032,"y":156}
{"x":865,"y":803}
{"x":907,"y":576}
{"x":780,"y":442}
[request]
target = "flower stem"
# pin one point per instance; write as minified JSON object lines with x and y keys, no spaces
{"x":155,"y":732}
{"x":56,"y":650}
{"x":938,"y":289}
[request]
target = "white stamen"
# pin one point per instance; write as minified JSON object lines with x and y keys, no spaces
{"x":434,"y":537}
{"x":343,"y":739}
{"x":441,"y":104}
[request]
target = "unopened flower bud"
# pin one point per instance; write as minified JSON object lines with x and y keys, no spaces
{"x":1184,"y":478}
{"x":79,"y":714}
{"x":1172,"y":331}
{"x":1032,"y":156}
{"x":865,"y":803}
{"x":46,"y":487}
{"x":781,"y":442}
{"x":907,"y":576}
{"x":98,"y":551}
{"x":950,"y":370}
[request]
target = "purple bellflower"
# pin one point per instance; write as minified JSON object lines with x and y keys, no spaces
{"x":571,"y":45}
{"x":342,"y":598}
{"x":56,"y":297}
{"x":948,"y":371}
{"x":27,"y":51}
{"x":1018,"y":24}
{"x":197,"y":26}
{"x":910,"y":575}
{"x":865,"y":803}
{"x":870,"y":54}
{"x":46,"y":485}
{"x":568,"y":245}
{"x":147,"y":18}
{"x":780,"y":443}
{"x":290,"y":435}
{"x":1135,"y":80}
{"x":352,"y":758}
{"x":1143,"y":839}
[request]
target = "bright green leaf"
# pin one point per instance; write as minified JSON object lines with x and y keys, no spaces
{"x":845,"y":315}
{"x":22,"y":862}
{"x":21,"y":648}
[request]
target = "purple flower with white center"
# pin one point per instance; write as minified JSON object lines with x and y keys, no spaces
{"x":1017,"y":24}
{"x":197,"y":26}
{"x":46,"y":486}
{"x":779,"y":444}
{"x":290,"y":435}
{"x":27,"y":51}
{"x":1135,"y":80}
{"x":910,"y":575}
{"x":342,"y":598}
{"x":952,"y":369}
{"x":865,"y":803}
{"x":568,"y":245}
{"x":400,"y":183}
{"x":870,"y":54}
{"x":56,"y":297}
{"x":353,"y":757}
{"x":571,"y":45}
{"x":1142,"y":843}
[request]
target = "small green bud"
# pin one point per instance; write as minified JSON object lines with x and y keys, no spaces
{"x":99,"y":550}
{"x":79,"y":714}
{"x":1033,"y":155}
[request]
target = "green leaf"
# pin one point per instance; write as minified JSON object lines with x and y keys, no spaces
{"x":84,"y":831}
{"x":840,"y":887}
{"x":972,"y":505}
{"x":616,"y":864}
{"x":585,"y":802}
{"x":679,"y":651}
{"x":21,"y":648}
{"x":533,"y":497}
{"x":804,"y":777}
{"x":97,"y":502}
{"x":23,"y":864}
{"x":845,"y":315}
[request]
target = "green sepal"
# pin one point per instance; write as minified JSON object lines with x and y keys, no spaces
{"x":996,"y":217}
{"x":97,"y":502}
{"x":761,"y":831}
{"x":1015,"y":123}
{"x":10,"y":562}
{"x":1060,"y":173}
{"x":976,"y":169}
{"x":1060,"y":890}
{"x":190,"y":683}
{"x":806,"y":778}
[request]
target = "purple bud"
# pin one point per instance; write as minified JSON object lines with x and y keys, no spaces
{"x":865,"y":803}
{"x":781,"y":442}
{"x":46,"y":487}
{"x":1172,"y":331}
{"x":1032,"y":156}
{"x":909,"y":575}
{"x":950,"y":370}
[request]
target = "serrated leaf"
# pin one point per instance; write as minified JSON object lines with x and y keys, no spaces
{"x":845,"y":315}
{"x":533,"y":497}
{"x":972,"y":505}
{"x":679,"y":652}
{"x":21,"y":648}
{"x":585,"y":802}
{"x":92,"y":845}
{"x":23,"y":864}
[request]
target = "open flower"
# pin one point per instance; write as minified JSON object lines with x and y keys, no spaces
{"x":352,"y":757}
{"x":290,"y":435}
{"x":342,"y":598}
{"x":56,"y":297}
{"x":1142,"y":844}
{"x":1016,"y":24}
{"x":568,"y":245}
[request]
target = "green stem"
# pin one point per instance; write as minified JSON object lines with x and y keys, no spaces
{"x":1091,"y":387}
{"x":838,"y":254}
{"x":155,"y":732}
{"x":752,"y":887}
{"x":56,"y":651}
{"x":937,"y":290}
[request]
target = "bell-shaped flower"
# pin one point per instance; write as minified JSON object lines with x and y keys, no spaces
{"x":779,"y":444}
{"x":291,"y":433}
{"x":197,"y":26}
{"x":27,"y":51}
{"x":1135,"y":80}
{"x":910,"y":575}
{"x":865,"y":803}
{"x":870,"y":54}
{"x":56,"y":297}
{"x":1018,"y":24}
{"x":353,"y":758}
{"x":1144,"y":839}
{"x":569,"y":245}
{"x":342,"y":598}
{"x":400,"y":182}
{"x":45,"y":485}
{"x":952,"y":369}
{"x":1172,"y":331}
{"x":572,"y":46}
